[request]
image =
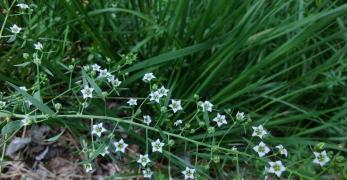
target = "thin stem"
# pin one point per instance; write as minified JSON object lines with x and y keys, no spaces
{"x":7,"y":14}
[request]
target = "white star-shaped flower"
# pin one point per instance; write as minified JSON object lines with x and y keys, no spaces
{"x":321,"y":158}
{"x":95,"y":67}
{"x":147,"y":173}
{"x":87,"y":92}
{"x":15,"y":29}
{"x":103,"y":73}
{"x":88,"y":167}
{"x":120,"y":146}
{"x":154,"y":96}
{"x":98,"y":129}
{"x":261,"y":149}
{"x":178,"y":122}
{"x":175,"y":105}
{"x":206,"y":106}
{"x":22,"y":6}
{"x":143,"y":160}
{"x":132,"y":102}
{"x":282,"y":150}
{"x":148,"y":77}
{"x":38,"y":46}
{"x":163,"y":91}
{"x":157,"y":146}
{"x":147,"y":119}
{"x":277,"y":168}
{"x":188,"y":173}
{"x":220,"y":120}
{"x":240,"y":116}
{"x":114,"y":81}
{"x":105,"y":151}
{"x":259,"y":131}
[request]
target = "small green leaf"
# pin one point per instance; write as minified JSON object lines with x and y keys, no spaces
{"x":48,"y":71}
{"x":38,"y":96}
{"x":11,"y":126}
{"x":4,"y":113}
{"x":22,"y":64}
{"x":56,"y":137}
{"x":42,"y":107}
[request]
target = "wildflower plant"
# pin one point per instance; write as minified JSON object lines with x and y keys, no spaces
{"x":167,"y":94}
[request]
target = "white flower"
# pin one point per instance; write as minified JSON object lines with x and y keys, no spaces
{"x":95,"y":67}
{"x":188,"y":173}
{"x":132,"y":102}
{"x":240,"y":116}
{"x":87,"y":92}
{"x":98,"y":129}
{"x":154,"y":96}
{"x":103,"y":73}
{"x":178,"y":122}
{"x":220,"y":120}
{"x":163,"y":91}
{"x":147,"y":173}
{"x":261,"y":149}
{"x":277,"y":168}
{"x":38,"y":46}
{"x":2,"y":104}
{"x":114,"y":81}
{"x":175,"y":105}
{"x":282,"y":150}
{"x":321,"y":158}
{"x":148,"y":77}
{"x":206,"y":106}
{"x":22,"y":6}
{"x":143,"y":160}
{"x":110,"y":78}
{"x":26,"y":121}
{"x":157,"y":146}
{"x":234,"y":148}
{"x":28,"y":103}
{"x":147,"y":119}
{"x":23,"y":88}
{"x":259,"y":131}
{"x":88,"y":167}
{"x":105,"y":151}
{"x":15,"y":29}
{"x":120,"y":146}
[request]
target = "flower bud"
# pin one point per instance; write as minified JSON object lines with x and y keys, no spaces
{"x":25,"y":55}
{"x":71,"y":67}
{"x":163,"y":109}
{"x":340,"y":159}
{"x":104,"y":94}
{"x":216,"y":159}
{"x":171,"y":143}
{"x":214,"y":148}
{"x":320,"y":146}
{"x":57,"y":106}
{"x":211,"y":130}
{"x":196,"y":97}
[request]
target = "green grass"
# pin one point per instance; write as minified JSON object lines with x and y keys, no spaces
{"x":281,"y":62}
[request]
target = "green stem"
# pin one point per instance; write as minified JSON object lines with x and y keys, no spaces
{"x":119,"y":120}
{"x":4,"y":23}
